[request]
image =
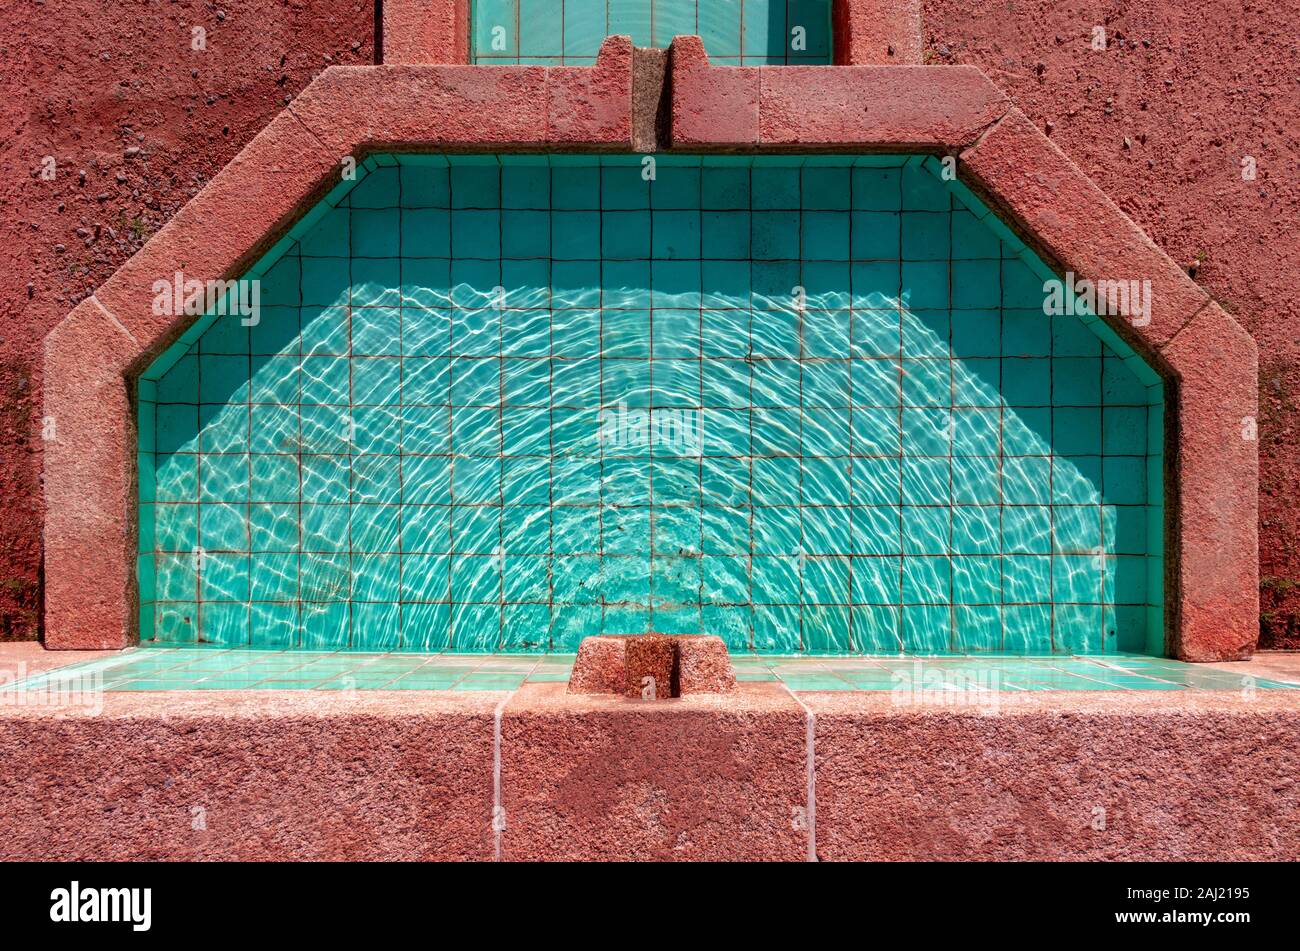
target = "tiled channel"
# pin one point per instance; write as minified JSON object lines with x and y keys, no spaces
{"x":161,"y":669}
{"x":569,"y":32}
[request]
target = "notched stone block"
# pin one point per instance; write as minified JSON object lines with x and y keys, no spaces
{"x":680,"y":665}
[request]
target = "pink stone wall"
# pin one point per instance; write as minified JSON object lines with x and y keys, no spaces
{"x":414,"y":775}
{"x":1161,"y":120}
{"x":116,"y":92}
{"x":1084,"y":777}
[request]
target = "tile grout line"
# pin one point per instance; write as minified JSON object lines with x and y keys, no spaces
{"x":498,"y":812}
{"x":810,"y":771}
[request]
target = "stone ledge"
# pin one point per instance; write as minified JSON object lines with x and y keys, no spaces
{"x":409,"y":775}
{"x":1099,"y":776}
{"x":923,"y":108}
{"x":1032,"y":182}
{"x":264,"y":775}
{"x":706,"y":777}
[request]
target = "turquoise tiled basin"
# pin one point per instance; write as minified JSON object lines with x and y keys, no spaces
{"x":810,"y":404}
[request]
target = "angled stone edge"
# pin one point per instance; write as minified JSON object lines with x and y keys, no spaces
{"x":88,"y":483}
{"x":222,"y":229}
{"x":1216,"y":520}
{"x":1022,"y":173}
{"x":345,"y":112}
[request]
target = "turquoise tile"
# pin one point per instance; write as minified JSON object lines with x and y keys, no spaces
{"x":375,"y":232}
{"x":377,"y":189}
{"x":809,"y":28}
{"x":950,"y":447}
{"x":926,"y":629}
{"x":815,"y":682}
{"x":1076,"y":381}
{"x":490,"y":681}
{"x":224,"y":622}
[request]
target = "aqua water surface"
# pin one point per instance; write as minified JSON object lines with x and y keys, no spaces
{"x":500,"y":403}
{"x":946,"y":681}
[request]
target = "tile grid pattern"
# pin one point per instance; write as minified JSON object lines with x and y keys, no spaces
{"x":376,"y":309}
{"x":569,"y":32}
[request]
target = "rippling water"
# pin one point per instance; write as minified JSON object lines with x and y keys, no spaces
{"x":515,"y":470}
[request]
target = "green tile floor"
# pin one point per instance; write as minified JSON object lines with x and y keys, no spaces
{"x":160,"y":668}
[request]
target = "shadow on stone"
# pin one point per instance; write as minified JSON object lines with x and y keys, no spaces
{"x":652,"y":666}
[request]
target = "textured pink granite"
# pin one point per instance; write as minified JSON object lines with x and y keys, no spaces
{"x":410,"y":775}
{"x":681,"y":664}
{"x":1155,"y":776}
{"x":703,"y":665}
{"x":599,"y":667}
{"x":250,"y":776}
{"x":614,"y":778}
